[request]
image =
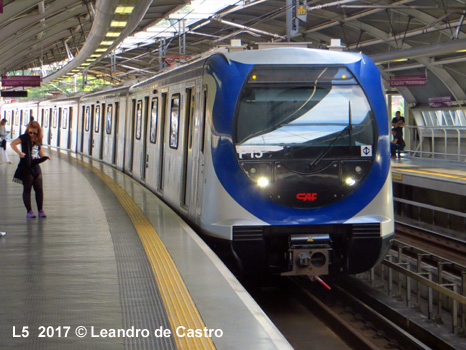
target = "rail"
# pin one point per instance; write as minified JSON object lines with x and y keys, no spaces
{"x":425,"y":286}
{"x":436,"y":142}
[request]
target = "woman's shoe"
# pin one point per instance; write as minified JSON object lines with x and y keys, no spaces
{"x":42,"y":214}
{"x":30,"y":215}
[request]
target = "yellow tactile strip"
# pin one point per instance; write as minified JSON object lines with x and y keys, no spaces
{"x":180,"y":307}
{"x":430,"y":173}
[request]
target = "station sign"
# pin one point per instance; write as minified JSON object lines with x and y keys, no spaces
{"x":13,"y":93}
{"x":20,"y":80}
{"x":440,"y":102}
{"x":301,"y":10}
{"x":407,"y":80}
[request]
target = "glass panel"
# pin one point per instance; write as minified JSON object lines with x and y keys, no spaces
{"x":109,"y":119}
{"x":460,"y":118}
{"x":447,"y":118}
{"x":65,"y":118}
{"x":432,"y":117}
{"x":55,"y":118}
{"x":139,"y":120}
{"x":304,"y":115}
{"x":440,"y":118}
{"x":153,"y":120}
{"x":174,"y":120}
{"x":97,"y":119}
{"x":26,"y":118}
{"x":87,"y":119}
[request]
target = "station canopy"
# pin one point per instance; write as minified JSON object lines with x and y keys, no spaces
{"x":418,"y":45}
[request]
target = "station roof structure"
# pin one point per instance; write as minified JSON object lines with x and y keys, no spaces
{"x":419,"y":45}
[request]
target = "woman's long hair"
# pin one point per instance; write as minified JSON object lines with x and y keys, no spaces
{"x":36,"y":126}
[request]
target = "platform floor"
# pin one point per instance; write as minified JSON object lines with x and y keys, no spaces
{"x":430,"y":173}
{"x":111,"y":267}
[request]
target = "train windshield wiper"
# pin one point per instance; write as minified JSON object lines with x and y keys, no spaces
{"x":347,"y":128}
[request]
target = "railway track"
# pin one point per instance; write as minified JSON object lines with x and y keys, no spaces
{"x":452,"y":248}
{"x":366,"y":319}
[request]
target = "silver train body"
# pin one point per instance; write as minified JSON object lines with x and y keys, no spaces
{"x":198,"y":136}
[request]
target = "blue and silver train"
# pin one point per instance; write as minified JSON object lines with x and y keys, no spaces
{"x":282,"y":154}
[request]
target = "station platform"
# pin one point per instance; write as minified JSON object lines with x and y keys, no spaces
{"x":430,"y":194}
{"x":430,"y":173}
{"x":112,"y":267}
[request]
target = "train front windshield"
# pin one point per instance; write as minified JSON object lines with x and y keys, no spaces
{"x":305,"y":107}
{"x":303,"y":119}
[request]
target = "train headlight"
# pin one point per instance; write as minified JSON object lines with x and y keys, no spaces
{"x":263,"y":182}
{"x":350,"y":181}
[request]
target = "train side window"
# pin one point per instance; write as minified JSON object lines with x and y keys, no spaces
{"x":174,"y":120}
{"x":16,"y":116}
{"x":46,"y":118}
{"x":65,"y":116}
{"x":190,"y":105}
{"x":204,"y":118}
{"x":87,"y":119}
{"x":55,"y":118}
{"x":109,"y":119}
{"x":153,"y":119}
{"x":97,"y":119}
{"x":25,"y":118}
{"x":139,"y":120}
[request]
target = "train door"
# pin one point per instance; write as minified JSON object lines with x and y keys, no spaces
{"x":138,"y":140}
{"x":153,"y":161}
{"x":97,"y":131}
{"x":162,"y":141}
{"x":187,"y":163}
{"x":87,"y":135}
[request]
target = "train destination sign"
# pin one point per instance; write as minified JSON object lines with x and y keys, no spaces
{"x":20,"y":80}
{"x":407,"y":80}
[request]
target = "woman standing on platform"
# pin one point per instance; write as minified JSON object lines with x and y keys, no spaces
{"x":29,"y":172}
{"x":3,"y":136}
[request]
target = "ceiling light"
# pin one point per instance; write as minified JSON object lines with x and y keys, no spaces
{"x":117,"y":24}
{"x":96,"y":55}
{"x":113,"y":34}
{"x":124,"y":9}
{"x":101,"y":50}
{"x":107,"y":43}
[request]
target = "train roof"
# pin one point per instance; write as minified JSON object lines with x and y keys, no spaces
{"x":293,"y":55}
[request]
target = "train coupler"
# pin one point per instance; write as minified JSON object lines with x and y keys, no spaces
{"x":308,"y":254}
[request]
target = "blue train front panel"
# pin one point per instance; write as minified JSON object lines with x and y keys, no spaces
{"x":300,"y":141}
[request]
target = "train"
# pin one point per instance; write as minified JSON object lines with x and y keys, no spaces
{"x":281,"y":154}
